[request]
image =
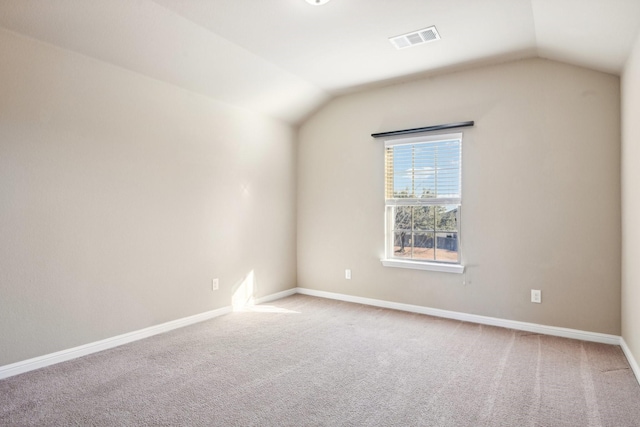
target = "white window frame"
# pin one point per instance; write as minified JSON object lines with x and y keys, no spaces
{"x":390,"y":261}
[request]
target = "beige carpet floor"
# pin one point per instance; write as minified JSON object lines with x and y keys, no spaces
{"x":304,"y":361}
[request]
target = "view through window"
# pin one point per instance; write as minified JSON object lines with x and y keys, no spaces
{"x":423,"y":198}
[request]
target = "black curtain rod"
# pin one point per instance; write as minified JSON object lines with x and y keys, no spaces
{"x":425,"y":129}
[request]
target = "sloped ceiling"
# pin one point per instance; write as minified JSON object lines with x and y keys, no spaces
{"x":284,"y":58}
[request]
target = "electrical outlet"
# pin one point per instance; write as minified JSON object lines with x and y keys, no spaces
{"x":536,"y":296}
{"x":347,"y":274}
{"x":215,"y":284}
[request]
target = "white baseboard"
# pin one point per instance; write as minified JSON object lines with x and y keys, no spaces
{"x":484,"y":320}
{"x":94,"y":347}
{"x":83,"y":350}
{"x":632,"y":361}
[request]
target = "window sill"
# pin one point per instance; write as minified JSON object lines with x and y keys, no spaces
{"x":430,"y":266}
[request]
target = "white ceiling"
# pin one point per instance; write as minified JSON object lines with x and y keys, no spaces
{"x":284,"y":58}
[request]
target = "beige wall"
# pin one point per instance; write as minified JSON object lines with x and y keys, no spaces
{"x":631,"y":202}
{"x":121,"y":197}
{"x":541,"y":194}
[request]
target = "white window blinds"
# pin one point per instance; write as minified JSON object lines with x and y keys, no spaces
{"x":423,"y":170}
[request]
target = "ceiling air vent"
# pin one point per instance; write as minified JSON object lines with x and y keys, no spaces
{"x":415,"y":38}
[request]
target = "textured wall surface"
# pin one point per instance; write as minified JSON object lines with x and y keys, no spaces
{"x":121,"y":197}
{"x":631,"y":202}
{"x":541,"y":194}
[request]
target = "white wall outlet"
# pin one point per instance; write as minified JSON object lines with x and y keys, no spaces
{"x":347,"y":274}
{"x":536,"y":296}
{"x":215,"y":284}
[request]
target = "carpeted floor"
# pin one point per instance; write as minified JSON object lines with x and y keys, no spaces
{"x":304,"y":361}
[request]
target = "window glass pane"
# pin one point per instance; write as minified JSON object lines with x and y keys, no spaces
{"x":424,"y":218}
{"x":402,"y":171}
{"x":423,"y":246}
{"x":447,"y":247}
{"x":447,"y":217}
{"x":402,"y":218}
{"x":448,"y":169}
{"x":424,"y":170}
{"x":402,"y":244}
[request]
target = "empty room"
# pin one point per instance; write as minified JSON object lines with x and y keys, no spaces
{"x":320,"y":213}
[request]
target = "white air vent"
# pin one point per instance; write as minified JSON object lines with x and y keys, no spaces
{"x":415,"y":38}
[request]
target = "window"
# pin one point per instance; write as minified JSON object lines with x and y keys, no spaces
{"x":422,"y":202}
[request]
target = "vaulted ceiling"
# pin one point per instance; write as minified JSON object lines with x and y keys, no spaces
{"x":284,"y":58}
